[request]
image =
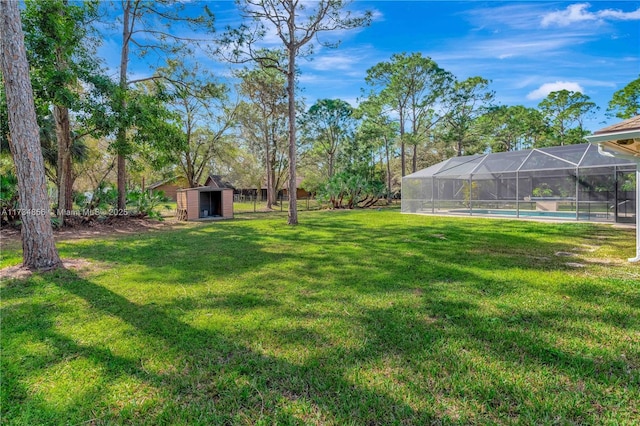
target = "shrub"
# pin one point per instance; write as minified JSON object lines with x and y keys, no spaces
{"x":543,"y":191}
{"x":346,"y":190}
{"x":144,"y":204}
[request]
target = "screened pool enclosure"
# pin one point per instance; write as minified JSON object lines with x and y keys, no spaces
{"x":570,"y":182}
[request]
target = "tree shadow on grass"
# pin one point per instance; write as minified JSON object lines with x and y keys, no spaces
{"x":237,"y":243}
{"x":218,"y":382}
{"x":233,"y":249}
{"x":516,"y":370}
{"x":409,"y":366}
{"x":48,"y":386}
{"x":219,"y":376}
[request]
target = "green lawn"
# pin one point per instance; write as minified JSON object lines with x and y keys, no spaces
{"x":350,"y":318}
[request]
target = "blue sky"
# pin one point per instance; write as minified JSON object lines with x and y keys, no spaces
{"x":526,"y":49}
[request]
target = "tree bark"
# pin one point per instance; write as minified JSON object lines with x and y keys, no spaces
{"x":121,"y":165}
{"x":64,"y":142}
{"x":38,"y":248}
{"x":387,"y":155}
{"x":65,"y":180}
{"x":331,"y":161}
{"x":121,"y":137}
{"x":414,"y":164}
{"x":267,"y":159}
{"x":291,"y":91}
{"x":403,"y":160}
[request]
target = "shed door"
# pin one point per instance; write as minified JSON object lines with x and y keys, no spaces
{"x":210,"y":204}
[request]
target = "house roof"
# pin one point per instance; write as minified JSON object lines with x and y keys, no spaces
{"x":299,"y":180}
{"x":165,"y":181}
{"x":621,"y":139}
{"x":632,"y":123}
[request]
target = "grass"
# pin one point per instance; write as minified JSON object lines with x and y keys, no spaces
{"x":350,"y":318}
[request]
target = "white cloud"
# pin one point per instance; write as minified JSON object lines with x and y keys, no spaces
{"x":619,"y":15}
{"x":501,"y":18}
{"x":545,"y":89}
{"x":333,"y":62}
{"x":528,"y":45}
{"x":579,"y":12}
{"x":376,"y":15}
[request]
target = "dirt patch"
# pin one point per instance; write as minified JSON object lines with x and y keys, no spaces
{"x":20,"y":272}
{"x":83,"y":228}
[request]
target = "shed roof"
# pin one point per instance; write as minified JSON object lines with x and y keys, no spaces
{"x":205,"y":189}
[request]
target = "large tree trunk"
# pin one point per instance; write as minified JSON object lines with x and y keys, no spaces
{"x":403,"y":160}
{"x":267,"y":160}
{"x":121,"y":138}
{"x":65,"y":180}
{"x":38,"y":247}
{"x":269,"y":181}
{"x":414,"y":164}
{"x":291,"y":91}
{"x":63,"y":137}
{"x":122,"y":182}
{"x":387,"y":154}
{"x":189,"y":170}
{"x":331,"y":161}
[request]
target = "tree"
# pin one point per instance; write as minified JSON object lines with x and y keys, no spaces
{"x":145,"y":25}
{"x":564,"y":112}
{"x":411,"y":86}
{"x":468,"y":100}
{"x":429,"y":85}
{"x":511,"y":128}
{"x":38,"y":248}
{"x":49,"y":144}
{"x":350,"y":190}
{"x":56,"y":33}
{"x":388,"y":81}
{"x":243,"y":169}
{"x":375,"y":125}
{"x":296,"y":25}
{"x":328,"y":124}
{"x":264,"y":122}
{"x":202,"y":115}
{"x":626,"y":101}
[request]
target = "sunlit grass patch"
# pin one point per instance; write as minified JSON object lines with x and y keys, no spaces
{"x":366,"y":317}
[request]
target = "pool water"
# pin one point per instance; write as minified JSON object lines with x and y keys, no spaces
{"x":532,"y":213}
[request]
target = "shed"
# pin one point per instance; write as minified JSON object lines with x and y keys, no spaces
{"x":622,"y":140}
{"x":204,"y":202}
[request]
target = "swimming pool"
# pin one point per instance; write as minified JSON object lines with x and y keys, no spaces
{"x":532,"y":213}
